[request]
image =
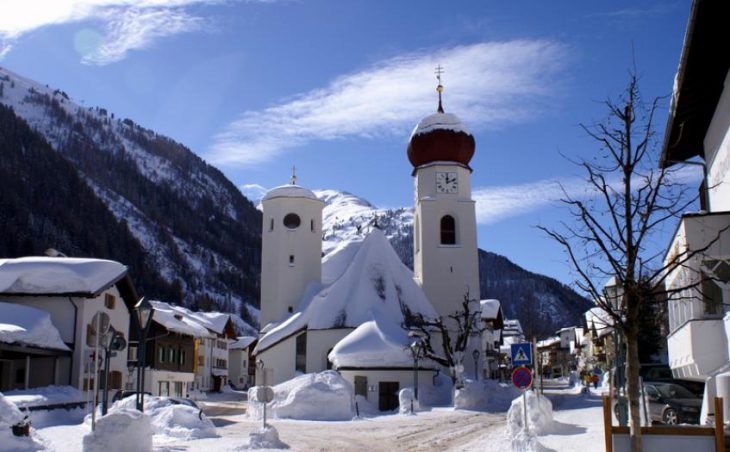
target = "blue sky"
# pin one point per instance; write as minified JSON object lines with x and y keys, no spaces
{"x":335,"y":88}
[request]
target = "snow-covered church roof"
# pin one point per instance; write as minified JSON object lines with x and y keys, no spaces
{"x":29,"y":326}
{"x":439,"y":121}
{"x":290,"y":191}
{"x":58,"y":275}
{"x":372,"y":344}
{"x":374,"y":286}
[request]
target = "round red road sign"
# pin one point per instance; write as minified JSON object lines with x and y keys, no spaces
{"x":522,"y":377}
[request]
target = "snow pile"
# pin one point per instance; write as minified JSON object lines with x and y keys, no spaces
{"x":324,"y":396}
{"x":123,"y":430}
{"x":364,"y":407}
{"x":26,"y":325}
{"x":501,"y":395}
{"x":539,"y":414}
{"x":265,"y":438}
{"x":10,"y":415}
{"x":438,"y":394}
{"x":407,"y":401}
{"x":473,"y":396}
{"x":170,"y":420}
{"x":47,"y":395}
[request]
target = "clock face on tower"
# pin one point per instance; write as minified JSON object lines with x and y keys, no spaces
{"x":446,"y":182}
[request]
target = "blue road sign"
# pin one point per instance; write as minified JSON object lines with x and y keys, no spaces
{"x":522,"y":354}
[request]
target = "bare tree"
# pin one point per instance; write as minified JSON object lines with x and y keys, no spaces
{"x":630,"y":199}
{"x":464,"y":324}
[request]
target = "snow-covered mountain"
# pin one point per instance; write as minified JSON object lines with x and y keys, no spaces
{"x":199,"y":234}
{"x":542,"y":304}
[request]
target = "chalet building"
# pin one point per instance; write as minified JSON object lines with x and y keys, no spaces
{"x":211,"y":372}
{"x":492,"y":324}
{"x":242,"y":362}
{"x":65,"y":294}
{"x":698,"y":132}
{"x":170,"y":352}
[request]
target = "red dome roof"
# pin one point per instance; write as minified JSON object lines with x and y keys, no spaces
{"x":440,"y":137}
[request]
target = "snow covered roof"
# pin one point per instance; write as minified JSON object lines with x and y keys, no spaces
{"x":490,"y":308}
{"x":241,"y":343}
{"x":25,"y":325}
{"x":548,"y":342}
{"x":290,"y":191}
{"x":374,"y":285}
{"x":373,"y":344}
{"x":58,"y":275}
{"x":599,"y":318}
{"x":177,"y":321}
{"x":439,"y":121}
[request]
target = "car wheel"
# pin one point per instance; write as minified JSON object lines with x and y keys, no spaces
{"x":670,"y":417}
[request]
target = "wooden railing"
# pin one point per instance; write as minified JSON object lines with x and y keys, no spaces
{"x":653,"y":436}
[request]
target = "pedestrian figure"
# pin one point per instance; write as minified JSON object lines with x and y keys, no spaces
{"x":594,"y":379}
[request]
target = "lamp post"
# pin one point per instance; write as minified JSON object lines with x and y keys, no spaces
{"x":475,"y":354}
{"x":145,"y":312}
{"x":416,"y":349}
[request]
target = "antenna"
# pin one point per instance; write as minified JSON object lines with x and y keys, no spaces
{"x":293,"y":175}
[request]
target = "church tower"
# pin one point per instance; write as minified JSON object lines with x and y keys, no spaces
{"x":291,"y":249}
{"x":446,"y":262}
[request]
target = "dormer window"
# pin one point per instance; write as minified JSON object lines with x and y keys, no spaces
{"x":448,"y":230}
{"x":179,"y":317}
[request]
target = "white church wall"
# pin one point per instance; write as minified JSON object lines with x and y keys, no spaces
{"x":281,"y":358}
{"x":291,"y":258}
{"x":319,"y":344}
{"x":404,"y":378}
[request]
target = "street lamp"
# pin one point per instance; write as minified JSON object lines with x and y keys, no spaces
{"x":416,"y":350}
{"x":475,"y":355}
{"x":145,"y":311}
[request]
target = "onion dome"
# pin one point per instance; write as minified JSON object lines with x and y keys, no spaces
{"x":440,"y":137}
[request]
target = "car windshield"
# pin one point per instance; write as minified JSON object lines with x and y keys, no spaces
{"x":671,"y":391}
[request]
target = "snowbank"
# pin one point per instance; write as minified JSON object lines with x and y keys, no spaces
{"x":265,"y":438}
{"x":539,"y":414}
{"x":9,"y":416}
{"x":123,"y":430}
{"x":46,"y":395}
{"x":171,"y":420}
{"x":438,"y":394}
{"x":473,"y":396}
{"x":324,"y":396}
{"x":365,"y":408}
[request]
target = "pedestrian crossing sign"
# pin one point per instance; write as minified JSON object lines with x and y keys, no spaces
{"x":522,"y":354}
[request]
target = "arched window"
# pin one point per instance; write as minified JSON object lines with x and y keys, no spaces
{"x":448,"y":230}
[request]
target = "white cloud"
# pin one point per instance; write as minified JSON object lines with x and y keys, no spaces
{"x":494,"y":204}
{"x":487,"y":84}
{"x":497,"y":203}
{"x":124,"y":24}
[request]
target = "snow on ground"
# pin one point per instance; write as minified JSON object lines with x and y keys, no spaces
{"x":10,"y":415}
{"x":575,"y":425}
{"x":325,"y":396}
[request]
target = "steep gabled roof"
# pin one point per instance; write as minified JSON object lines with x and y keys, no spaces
{"x":375,"y":285}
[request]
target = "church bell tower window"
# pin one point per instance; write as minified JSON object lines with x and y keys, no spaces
{"x":292,"y":221}
{"x":448,"y":230}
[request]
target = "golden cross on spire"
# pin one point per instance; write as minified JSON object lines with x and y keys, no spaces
{"x":293,"y":175}
{"x":440,"y":88}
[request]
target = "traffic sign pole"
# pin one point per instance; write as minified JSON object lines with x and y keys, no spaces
{"x":522,"y":378}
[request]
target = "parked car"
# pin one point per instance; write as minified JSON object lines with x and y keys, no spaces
{"x":672,"y":404}
{"x":663,"y":373}
{"x":123,"y":394}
